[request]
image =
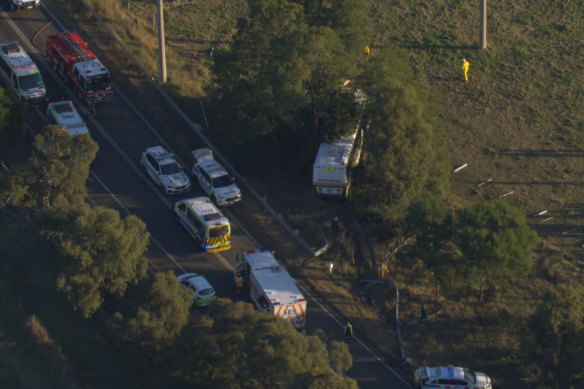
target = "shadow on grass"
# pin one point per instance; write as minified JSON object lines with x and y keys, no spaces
{"x":542,"y":153}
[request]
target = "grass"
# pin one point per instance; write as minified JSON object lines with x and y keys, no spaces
{"x":518,"y":122}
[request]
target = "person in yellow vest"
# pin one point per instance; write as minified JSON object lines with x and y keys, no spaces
{"x":367,"y":50}
{"x":239,"y":282}
{"x":465,"y":67}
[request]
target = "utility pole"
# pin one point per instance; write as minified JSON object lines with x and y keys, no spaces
{"x":161,"y":44}
{"x":483,"y":23}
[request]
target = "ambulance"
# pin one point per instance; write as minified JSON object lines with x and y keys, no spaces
{"x":271,"y":287}
{"x":21,"y":73}
{"x":204,"y":222}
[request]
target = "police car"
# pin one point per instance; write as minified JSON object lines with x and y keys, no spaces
{"x":203,"y":292}
{"x":450,"y":377}
{"x":14,"y":4}
{"x":64,"y":115}
{"x":214,"y":179}
{"x":164,"y":169}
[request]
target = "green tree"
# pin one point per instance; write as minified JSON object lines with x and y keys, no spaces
{"x":235,"y":346}
{"x":552,"y":349}
{"x":280,"y":81}
{"x":162,"y":316}
{"x":495,"y":244}
{"x":12,"y":114}
{"x":404,"y":148}
{"x":348,"y":18}
{"x":56,"y":172}
{"x":100,"y":254}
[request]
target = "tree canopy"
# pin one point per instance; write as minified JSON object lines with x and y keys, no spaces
{"x":55,"y":174}
{"x":162,"y":315}
{"x":404,"y":148}
{"x":495,"y":243}
{"x":553,"y":347}
{"x":100,"y":253}
{"x":280,"y":80}
{"x":235,"y":346}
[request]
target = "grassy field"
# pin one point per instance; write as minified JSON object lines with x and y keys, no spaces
{"x":518,"y":125}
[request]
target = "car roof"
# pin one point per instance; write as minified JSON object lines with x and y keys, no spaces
{"x":212,"y":167}
{"x":442,"y":372}
{"x":161,"y":155}
{"x":65,"y":113}
{"x":197,"y":280}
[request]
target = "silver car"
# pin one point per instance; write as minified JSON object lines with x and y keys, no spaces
{"x":164,"y":170}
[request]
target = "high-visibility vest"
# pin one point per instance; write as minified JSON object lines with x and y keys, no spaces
{"x":238,"y":280}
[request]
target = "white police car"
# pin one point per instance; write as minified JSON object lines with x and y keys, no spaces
{"x":164,"y":169}
{"x":450,"y":377}
{"x":214,"y":179}
{"x":203,"y":292}
{"x":64,"y":115}
{"x":15,"y":4}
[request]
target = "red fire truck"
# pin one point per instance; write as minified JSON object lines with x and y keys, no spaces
{"x":70,"y":56}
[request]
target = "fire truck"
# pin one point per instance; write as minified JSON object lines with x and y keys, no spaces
{"x":70,"y":56}
{"x":270,"y":286}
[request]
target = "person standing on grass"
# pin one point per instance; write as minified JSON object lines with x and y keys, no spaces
{"x":465,"y":67}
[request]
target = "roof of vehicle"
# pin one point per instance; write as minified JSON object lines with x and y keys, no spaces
{"x":335,"y":154}
{"x":276,"y":282}
{"x":441,"y":372}
{"x":91,"y":67}
{"x":17,"y":58}
{"x":161,"y":155}
{"x":213,"y":168}
{"x":66,"y":115}
{"x":197,"y":280}
{"x":203,"y":207}
{"x":207,"y":162}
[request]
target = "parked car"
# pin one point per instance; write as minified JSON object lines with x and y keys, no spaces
{"x":24,"y":4}
{"x":164,"y":170}
{"x":203,"y":292}
{"x":65,"y":115}
{"x":214,"y":179}
{"x":450,"y":377}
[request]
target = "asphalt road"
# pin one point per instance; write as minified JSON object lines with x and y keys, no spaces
{"x":123,"y":132}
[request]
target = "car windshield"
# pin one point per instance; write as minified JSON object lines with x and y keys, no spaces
{"x":30,"y":81}
{"x":206,"y":292}
{"x":469,"y":376}
{"x":170,"y":168}
{"x":217,"y":232}
{"x":98,"y":82}
{"x":221,"y":181}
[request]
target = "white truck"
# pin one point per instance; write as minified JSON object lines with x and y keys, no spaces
{"x":270,"y":286}
{"x":331,"y":171}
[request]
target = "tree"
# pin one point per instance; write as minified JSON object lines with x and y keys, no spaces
{"x":100,"y":254}
{"x":56,"y":172}
{"x":280,"y":81}
{"x":162,"y":316}
{"x":552,"y":349}
{"x":404,"y":146}
{"x":237,"y":346}
{"x":12,"y":114}
{"x":495,"y":244}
